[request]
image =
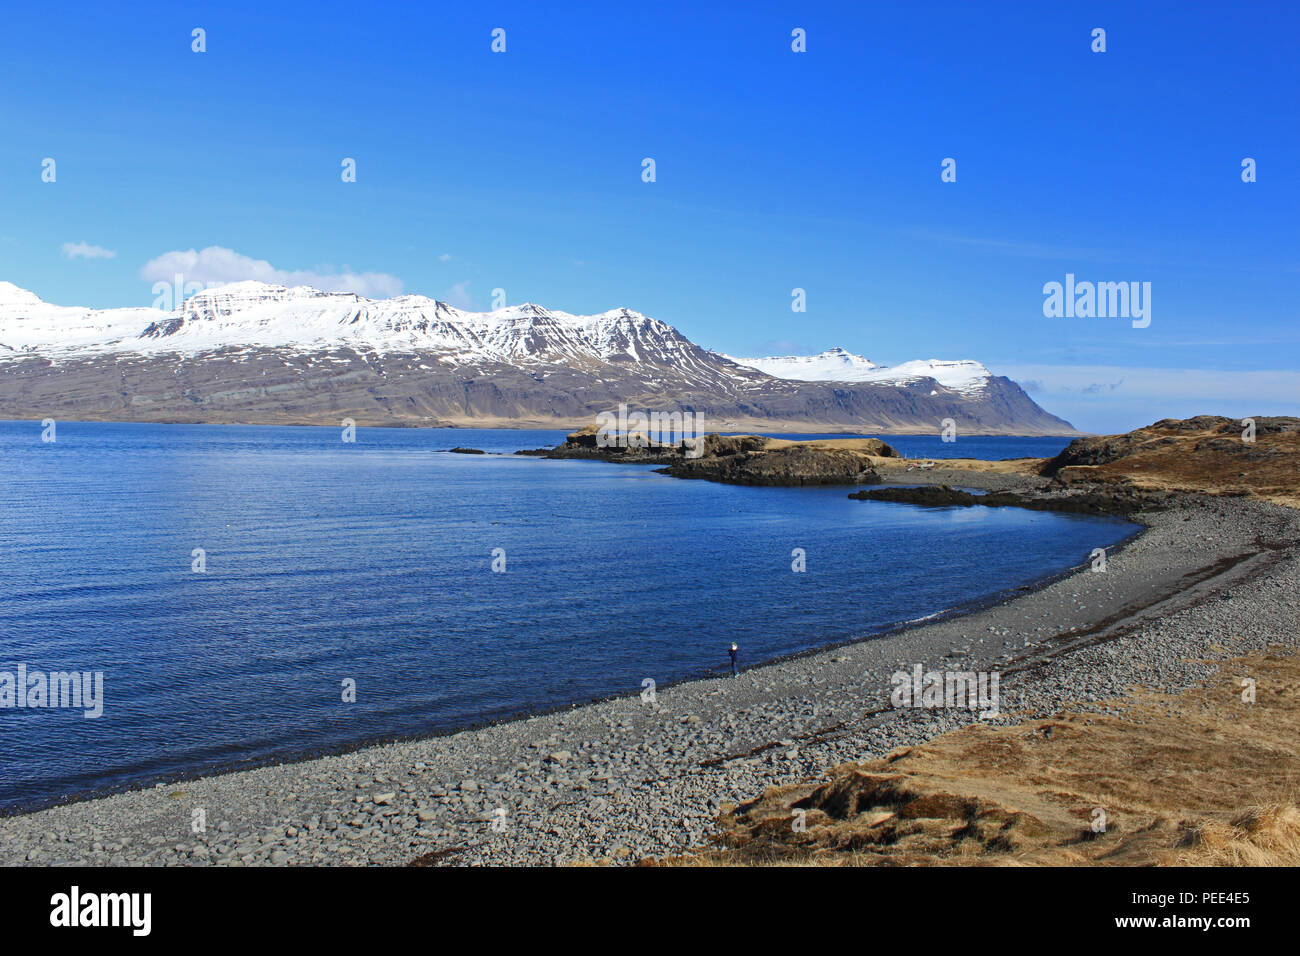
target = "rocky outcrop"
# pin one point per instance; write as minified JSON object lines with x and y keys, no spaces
{"x":796,"y":464}
{"x":1208,"y":453}
{"x":737,"y":459}
{"x":584,"y":444}
{"x":1205,"y":437}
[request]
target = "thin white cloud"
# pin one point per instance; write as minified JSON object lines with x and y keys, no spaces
{"x":445,"y":257}
{"x":458,"y":297}
{"x":1113,"y":398}
{"x":84,"y":250}
{"x":1013,"y":247}
{"x":216,"y":265}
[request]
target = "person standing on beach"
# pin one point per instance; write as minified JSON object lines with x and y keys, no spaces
{"x":734,"y":650}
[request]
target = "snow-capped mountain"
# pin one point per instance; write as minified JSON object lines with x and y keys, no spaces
{"x":257,"y":315}
{"x":838,"y":365}
{"x":253,"y":352}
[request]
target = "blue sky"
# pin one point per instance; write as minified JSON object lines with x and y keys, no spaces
{"x":775,"y":170}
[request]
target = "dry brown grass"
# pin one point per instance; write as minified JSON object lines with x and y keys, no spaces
{"x":1258,"y":836}
{"x":1205,"y":454}
{"x":870,"y":447}
{"x":1008,"y":466}
{"x":1202,"y":778}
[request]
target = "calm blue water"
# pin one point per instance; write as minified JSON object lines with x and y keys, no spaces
{"x":372,"y":562}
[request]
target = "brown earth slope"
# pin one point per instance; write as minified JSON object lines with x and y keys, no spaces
{"x":1203,"y":778}
{"x":1208,"y":453}
{"x":272,"y":386}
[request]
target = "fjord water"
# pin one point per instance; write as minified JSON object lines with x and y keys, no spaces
{"x":371,"y":562}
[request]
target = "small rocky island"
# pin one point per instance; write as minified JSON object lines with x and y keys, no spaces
{"x":738,"y":459}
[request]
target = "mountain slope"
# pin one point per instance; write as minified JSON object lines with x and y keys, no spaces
{"x":257,"y":353}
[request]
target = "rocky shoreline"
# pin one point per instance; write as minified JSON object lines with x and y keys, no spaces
{"x":1122,"y":502}
{"x":626,"y":779}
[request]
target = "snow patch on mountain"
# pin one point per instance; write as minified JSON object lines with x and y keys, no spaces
{"x":839,"y":365}
{"x":833,"y":365}
{"x":11,"y":294}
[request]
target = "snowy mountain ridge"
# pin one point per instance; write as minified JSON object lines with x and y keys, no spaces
{"x":258,"y":315}
{"x":269,"y":354}
{"x":254,"y":314}
{"x":838,"y":365}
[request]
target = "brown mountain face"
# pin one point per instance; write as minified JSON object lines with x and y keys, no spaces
{"x":280,"y":387}
{"x":249,"y":352}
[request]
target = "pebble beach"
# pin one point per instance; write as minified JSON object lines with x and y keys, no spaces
{"x":645,"y":776}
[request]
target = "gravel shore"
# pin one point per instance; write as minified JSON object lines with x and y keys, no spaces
{"x":625,"y":779}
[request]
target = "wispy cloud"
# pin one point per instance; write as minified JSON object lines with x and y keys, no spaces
{"x":1012,"y":247}
{"x":1097,"y":388}
{"x":216,"y":265}
{"x":1106,"y":398}
{"x":458,"y":297}
{"x":1172,"y":382}
{"x":84,"y":250}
